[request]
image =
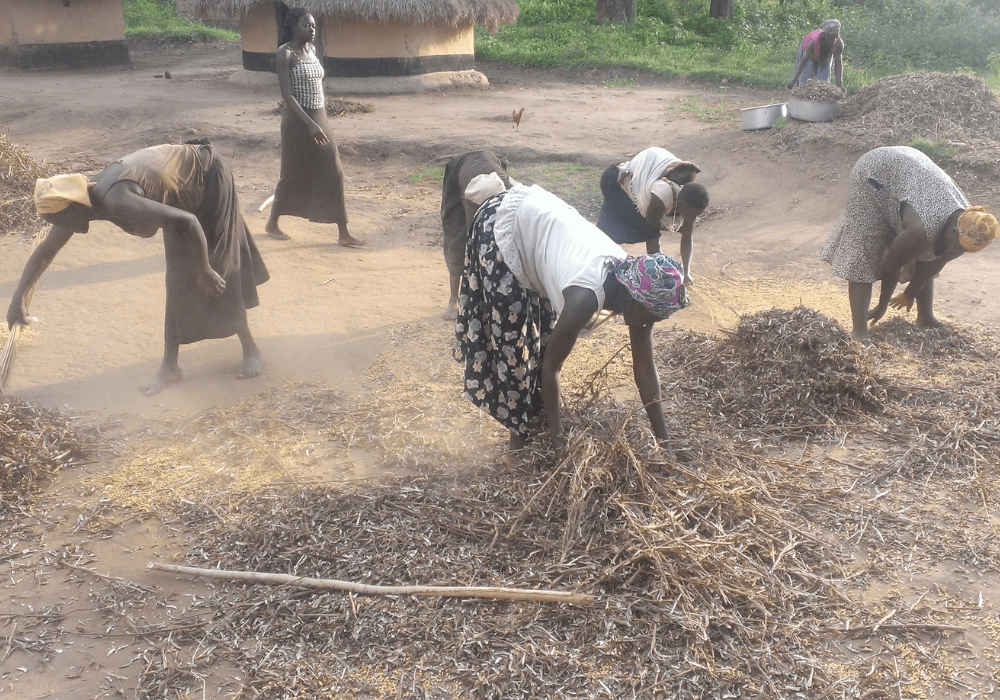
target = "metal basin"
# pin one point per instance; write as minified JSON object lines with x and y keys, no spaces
{"x":811,"y":110}
{"x":762,"y":117}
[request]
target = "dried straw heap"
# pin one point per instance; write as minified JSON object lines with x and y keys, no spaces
{"x":795,"y":371}
{"x":819,"y":91}
{"x":959,"y":111}
{"x":35,"y":443}
{"x":18,"y":172}
{"x":740,"y":569}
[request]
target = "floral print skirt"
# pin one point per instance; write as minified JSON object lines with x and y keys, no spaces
{"x":501,"y":331}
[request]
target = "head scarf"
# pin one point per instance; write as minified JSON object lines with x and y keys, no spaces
{"x":54,"y":194}
{"x":830,"y":25}
{"x":646,"y":168}
{"x":977,"y":229}
{"x":482,"y":187}
{"x":656,"y":281}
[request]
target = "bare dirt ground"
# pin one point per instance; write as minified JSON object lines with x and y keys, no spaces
{"x":363,"y":322}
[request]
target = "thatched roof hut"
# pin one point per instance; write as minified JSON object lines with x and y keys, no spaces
{"x":366,"y":39}
{"x":62,"y":33}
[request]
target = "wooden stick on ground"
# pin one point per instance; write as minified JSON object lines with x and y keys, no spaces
{"x":334,"y":585}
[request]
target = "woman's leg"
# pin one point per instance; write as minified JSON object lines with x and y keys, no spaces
{"x":860,"y":296}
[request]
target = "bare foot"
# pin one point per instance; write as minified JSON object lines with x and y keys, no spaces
{"x":253,"y":364}
{"x":277,"y":234}
{"x":452,"y":313}
{"x":931,"y":322}
{"x":347,"y":239}
{"x":862,"y":337}
{"x":164,"y":376}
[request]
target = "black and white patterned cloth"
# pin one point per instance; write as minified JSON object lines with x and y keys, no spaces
{"x":881,"y":181}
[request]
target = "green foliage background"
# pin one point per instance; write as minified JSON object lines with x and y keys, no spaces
{"x":159,"y":18}
{"x":758,"y":45}
{"x":677,"y":37}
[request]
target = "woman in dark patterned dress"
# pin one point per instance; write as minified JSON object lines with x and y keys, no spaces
{"x":213,"y":267}
{"x":905,"y":219}
{"x":538,"y":274}
{"x":646,"y":195}
{"x":311,"y":184}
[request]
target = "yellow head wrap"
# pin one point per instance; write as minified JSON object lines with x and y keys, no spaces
{"x":977,"y":229}
{"x":54,"y":194}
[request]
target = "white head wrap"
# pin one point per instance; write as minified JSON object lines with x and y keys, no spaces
{"x":482,"y":187}
{"x":646,"y":168}
{"x":830,"y":25}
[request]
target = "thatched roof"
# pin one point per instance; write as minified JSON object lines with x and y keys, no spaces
{"x":491,"y":13}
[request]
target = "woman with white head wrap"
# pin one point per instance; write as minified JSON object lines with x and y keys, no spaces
{"x":820,"y":51}
{"x":649,"y":194}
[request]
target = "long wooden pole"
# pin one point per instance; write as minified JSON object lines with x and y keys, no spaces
{"x":365,"y":589}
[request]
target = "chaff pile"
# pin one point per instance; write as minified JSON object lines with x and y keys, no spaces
{"x":35,"y":443}
{"x":18,"y":172}
{"x":337,"y":107}
{"x":796,"y":371}
{"x":737,"y":570}
{"x":818,"y":91}
{"x":958,"y":111}
{"x":706,"y":580}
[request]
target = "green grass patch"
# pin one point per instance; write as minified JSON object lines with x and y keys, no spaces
{"x":431,"y":175}
{"x":938,"y":151}
{"x":704,"y":111}
{"x":159,"y":18}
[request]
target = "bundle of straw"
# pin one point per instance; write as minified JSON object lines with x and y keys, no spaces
{"x":10,"y":347}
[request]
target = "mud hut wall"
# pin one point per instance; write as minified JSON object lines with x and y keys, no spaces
{"x":54,"y":33}
{"x":354,"y":48}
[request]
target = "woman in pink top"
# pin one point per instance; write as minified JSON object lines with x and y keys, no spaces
{"x":821,"y":50}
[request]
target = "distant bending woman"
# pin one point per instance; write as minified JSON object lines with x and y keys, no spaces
{"x":905,"y":219}
{"x":538,"y":273}
{"x":311,"y":183}
{"x":821,"y":56}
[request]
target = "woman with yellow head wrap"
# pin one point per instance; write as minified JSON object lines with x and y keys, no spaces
{"x":213,"y":267}
{"x":905,"y":219}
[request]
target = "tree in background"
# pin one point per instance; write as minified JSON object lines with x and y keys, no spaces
{"x":616,"y":11}
{"x":721,"y":9}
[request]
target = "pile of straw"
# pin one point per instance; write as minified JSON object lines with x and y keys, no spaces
{"x":797,"y":371}
{"x":743,"y":569}
{"x":706,"y":580}
{"x":960,"y":112}
{"x":35,"y":443}
{"x":18,"y":172}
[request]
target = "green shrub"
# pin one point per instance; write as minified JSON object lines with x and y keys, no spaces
{"x":159,"y":18}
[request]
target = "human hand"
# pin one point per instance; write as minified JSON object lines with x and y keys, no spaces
{"x":901,"y":301}
{"x":319,"y":136}
{"x":17,"y":314}
{"x":211,"y":282}
{"x":875,"y":314}
{"x":789,"y":86}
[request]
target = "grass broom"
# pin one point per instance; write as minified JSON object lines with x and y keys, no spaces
{"x":9,"y":351}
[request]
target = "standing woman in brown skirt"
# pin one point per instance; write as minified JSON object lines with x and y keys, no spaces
{"x":311,"y":184}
